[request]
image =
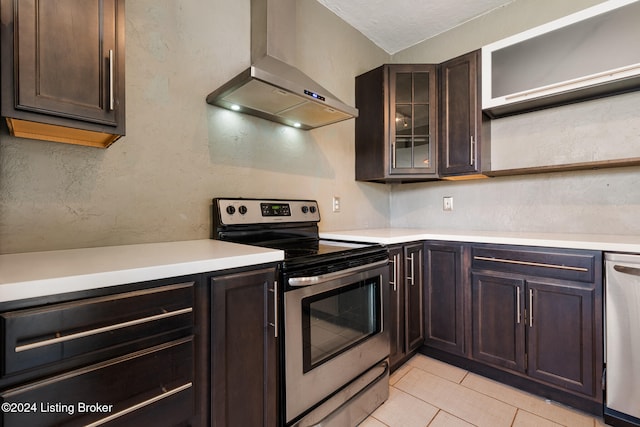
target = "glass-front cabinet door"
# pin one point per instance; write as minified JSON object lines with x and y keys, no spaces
{"x":412,"y":126}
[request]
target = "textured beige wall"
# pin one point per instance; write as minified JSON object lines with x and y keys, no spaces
{"x":603,"y":201}
{"x":513,"y":18}
{"x":156,"y":183}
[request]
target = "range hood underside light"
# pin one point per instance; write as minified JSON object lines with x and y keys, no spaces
{"x":258,"y":98}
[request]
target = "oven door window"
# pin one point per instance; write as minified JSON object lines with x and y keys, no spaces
{"x":335,"y":321}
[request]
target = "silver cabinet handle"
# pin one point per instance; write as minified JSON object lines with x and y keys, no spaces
{"x":140,"y":405}
{"x":627,"y":270}
{"x":314,"y":280}
{"x":531,"y":308}
{"x":531,"y":264}
{"x":275,"y":309}
{"x":395,"y":273}
{"x":96,"y":331}
{"x":559,"y":85}
{"x":112,"y":100}
{"x":472,"y":150}
{"x":411,"y":277}
{"x":393,"y":154}
{"x":519,"y":314}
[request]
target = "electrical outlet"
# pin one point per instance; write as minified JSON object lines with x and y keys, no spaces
{"x":336,"y":204}
{"x":447,"y":203}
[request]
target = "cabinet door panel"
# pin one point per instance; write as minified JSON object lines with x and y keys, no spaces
{"x":458,"y":118}
{"x":396,"y":306}
{"x":63,"y":51}
{"x":412,"y":148}
{"x":498,"y":326}
{"x":561,"y":335}
{"x":244,"y":352}
{"x":414,"y":324}
{"x":444,"y":309}
{"x":461,"y":117}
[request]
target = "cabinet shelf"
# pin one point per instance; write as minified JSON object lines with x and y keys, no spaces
{"x":585,"y":55}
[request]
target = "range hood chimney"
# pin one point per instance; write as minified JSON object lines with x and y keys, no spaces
{"x":273,"y":89}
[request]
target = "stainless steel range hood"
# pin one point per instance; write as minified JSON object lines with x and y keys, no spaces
{"x":273,"y":89}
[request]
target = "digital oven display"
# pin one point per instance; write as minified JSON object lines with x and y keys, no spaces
{"x":275,"y":209}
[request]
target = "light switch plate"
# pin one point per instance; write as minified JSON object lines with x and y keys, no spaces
{"x":447,"y":203}
{"x":336,"y":204}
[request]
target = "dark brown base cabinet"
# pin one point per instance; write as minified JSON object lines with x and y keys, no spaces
{"x":126,"y":358}
{"x":244,"y":350}
{"x":532,"y":316}
{"x":444,"y":299}
{"x":406,"y":305}
{"x":171,"y":352}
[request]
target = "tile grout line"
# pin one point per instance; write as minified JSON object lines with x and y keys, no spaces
{"x":515,"y":416}
{"x":467,"y":373}
{"x":529,"y":396}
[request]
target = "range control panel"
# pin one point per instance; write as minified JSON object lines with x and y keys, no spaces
{"x":265,"y":211}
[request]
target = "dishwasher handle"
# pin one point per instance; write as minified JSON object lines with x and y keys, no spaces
{"x":627,"y":270}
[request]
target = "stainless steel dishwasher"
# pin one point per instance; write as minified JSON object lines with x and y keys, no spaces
{"x":622,"y":339}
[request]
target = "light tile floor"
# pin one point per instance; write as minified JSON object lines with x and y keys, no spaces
{"x":426,"y":392}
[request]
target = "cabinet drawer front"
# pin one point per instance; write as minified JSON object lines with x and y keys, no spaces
{"x":96,"y":328}
{"x":565,"y":264}
{"x":153,"y":384}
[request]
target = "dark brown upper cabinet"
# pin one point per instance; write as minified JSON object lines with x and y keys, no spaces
{"x":396,"y":129}
{"x":63,"y":70}
{"x":464,"y":131}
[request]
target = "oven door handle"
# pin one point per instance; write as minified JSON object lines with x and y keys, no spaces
{"x":314,"y":280}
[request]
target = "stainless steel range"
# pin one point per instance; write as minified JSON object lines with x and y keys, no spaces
{"x":334,"y":339}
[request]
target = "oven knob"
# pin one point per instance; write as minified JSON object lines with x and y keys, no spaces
{"x":231,"y":210}
{"x":305,"y":209}
{"x":312,"y":209}
{"x":242,"y":209}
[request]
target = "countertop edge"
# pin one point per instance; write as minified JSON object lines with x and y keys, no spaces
{"x":389,"y":236}
{"x":202,"y":259}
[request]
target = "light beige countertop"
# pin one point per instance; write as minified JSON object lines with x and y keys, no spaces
{"x":34,"y":274}
{"x":602,"y":242}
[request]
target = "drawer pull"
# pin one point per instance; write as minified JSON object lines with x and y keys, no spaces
{"x":519,"y":313}
{"x":411,"y":277}
{"x":531,"y":264}
{"x":274,"y":290}
{"x":531,"y":308}
{"x":112,"y":101}
{"x":570,"y":83}
{"x":96,"y":331}
{"x":140,"y":405}
{"x":395,"y":261}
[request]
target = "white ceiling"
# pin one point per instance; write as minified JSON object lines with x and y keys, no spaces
{"x":395,"y":25}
